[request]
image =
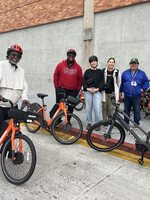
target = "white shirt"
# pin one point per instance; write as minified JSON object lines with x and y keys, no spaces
{"x":13,"y":85}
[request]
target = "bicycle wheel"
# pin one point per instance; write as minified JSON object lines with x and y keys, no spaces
{"x":67,"y":133}
{"x":80,"y":106}
{"x":34,"y":126}
{"x":18,"y":171}
{"x":99,"y":139}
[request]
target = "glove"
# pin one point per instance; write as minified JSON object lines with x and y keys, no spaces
{"x":25,"y":103}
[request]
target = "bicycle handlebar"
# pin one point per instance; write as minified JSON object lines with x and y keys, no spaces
{"x":114,"y":103}
{"x":11,"y":103}
{"x":7,"y":100}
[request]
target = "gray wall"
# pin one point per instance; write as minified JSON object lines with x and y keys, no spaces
{"x":44,"y":46}
{"x":122,"y":33}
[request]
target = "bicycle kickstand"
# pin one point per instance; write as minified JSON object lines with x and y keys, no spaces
{"x":141,"y":160}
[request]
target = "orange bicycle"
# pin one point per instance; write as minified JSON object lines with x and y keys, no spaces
{"x":65,"y":127}
{"x":18,"y":155}
{"x":81,"y":103}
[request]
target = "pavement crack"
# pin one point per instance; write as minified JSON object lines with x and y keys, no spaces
{"x":103,"y":179}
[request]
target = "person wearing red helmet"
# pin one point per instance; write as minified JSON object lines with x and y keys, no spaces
{"x":68,"y":77}
{"x":13,"y":85}
{"x":14,"y":54}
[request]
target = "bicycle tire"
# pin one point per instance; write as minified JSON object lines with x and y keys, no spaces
{"x":27,"y":157}
{"x":67,"y":133}
{"x":80,"y":106}
{"x":34,"y":126}
{"x":103,"y":142}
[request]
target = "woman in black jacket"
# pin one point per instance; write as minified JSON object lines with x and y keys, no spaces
{"x":93,"y":83}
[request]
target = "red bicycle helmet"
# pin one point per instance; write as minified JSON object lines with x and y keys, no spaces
{"x":71,"y":51}
{"x":16,"y":47}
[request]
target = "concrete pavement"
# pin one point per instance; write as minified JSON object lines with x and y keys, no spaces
{"x":76,"y":172}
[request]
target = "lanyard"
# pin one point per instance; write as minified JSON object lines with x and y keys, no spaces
{"x":134,"y":74}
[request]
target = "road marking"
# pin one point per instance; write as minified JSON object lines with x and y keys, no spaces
{"x":117,"y":153}
{"x":121,"y":154}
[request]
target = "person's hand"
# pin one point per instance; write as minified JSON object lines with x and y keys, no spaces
{"x":25,"y":103}
{"x":121,"y":97}
{"x":90,"y":90}
{"x":3,"y":99}
{"x":142,"y":90}
{"x":95,"y":90}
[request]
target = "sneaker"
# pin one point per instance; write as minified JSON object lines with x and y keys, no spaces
{"x":88,"y":126}
{"x":97,"y":128}
{"x":67,"y":127}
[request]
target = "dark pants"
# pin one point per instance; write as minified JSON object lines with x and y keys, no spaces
{"x":60,"y":93}
{"x":135,"y":103}
{"x":3,"y":117}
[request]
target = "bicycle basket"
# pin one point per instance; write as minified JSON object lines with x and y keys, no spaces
{"x":22,"y":116}
{"x":72,"y":100}
{"x":34,"y":107}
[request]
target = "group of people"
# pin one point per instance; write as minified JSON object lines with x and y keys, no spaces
{"x":100,"y":85}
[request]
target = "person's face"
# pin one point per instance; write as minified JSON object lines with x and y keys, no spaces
{"x":111,"y":64}
{"x":71,"y":57}
{"x":134,"y":66}
{"x":94,"y":64}
{"x":14,"y":57}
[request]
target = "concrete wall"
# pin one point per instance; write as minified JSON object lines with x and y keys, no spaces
{"x":121,"y":33}
{"x":44,"y":46}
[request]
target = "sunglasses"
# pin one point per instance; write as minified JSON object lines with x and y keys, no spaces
{"x":15,"y":54}
{"x":71,"y":55}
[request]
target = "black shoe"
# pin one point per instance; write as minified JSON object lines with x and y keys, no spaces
{"x":88,"y":126}
{"x":67,"y":127}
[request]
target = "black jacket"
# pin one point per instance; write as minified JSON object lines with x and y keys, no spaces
{"x":93,"y":78}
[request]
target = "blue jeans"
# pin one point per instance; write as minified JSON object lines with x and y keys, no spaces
{"x":93,"y":103}
{"x":135,"y":103}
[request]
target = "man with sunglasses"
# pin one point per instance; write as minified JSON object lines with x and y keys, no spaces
{"x":68,"y":77}
{"x":13,"y":85}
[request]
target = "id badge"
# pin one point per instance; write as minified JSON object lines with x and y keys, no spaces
{"x":133,"y":83}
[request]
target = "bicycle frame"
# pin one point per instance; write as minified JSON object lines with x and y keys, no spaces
{"x":11,"y":127}
{"x":117,"y":117}
{"x":62,"y":107}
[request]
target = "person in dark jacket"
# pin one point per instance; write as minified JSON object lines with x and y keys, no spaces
{"x":68,"y":77}
{"x":93,"y":83}
{"x":133,"y":82}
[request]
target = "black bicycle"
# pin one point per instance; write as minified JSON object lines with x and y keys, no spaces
{"x":112,"y":134}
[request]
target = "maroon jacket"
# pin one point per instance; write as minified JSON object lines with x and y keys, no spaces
{"x":68,"y":78}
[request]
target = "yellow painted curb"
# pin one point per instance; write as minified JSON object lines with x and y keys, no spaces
{"x":117,"y":152}
{"x":121,"y":154}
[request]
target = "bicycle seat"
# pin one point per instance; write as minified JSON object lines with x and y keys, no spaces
{"x":40,"y":95}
